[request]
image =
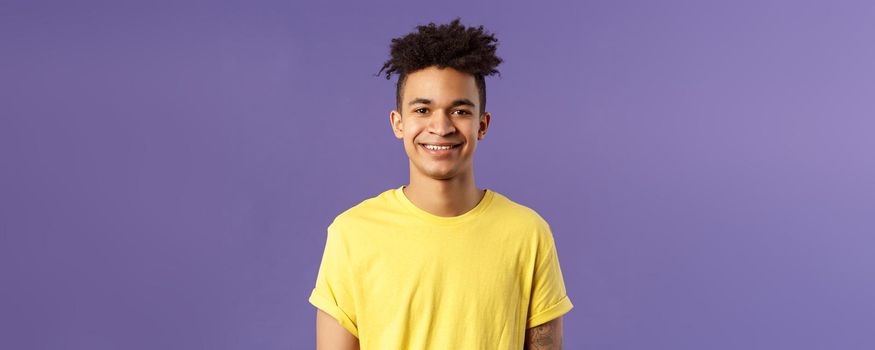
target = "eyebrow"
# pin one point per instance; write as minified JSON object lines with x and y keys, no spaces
{"x":457,"y":102}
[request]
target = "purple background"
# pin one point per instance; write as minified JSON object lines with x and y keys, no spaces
{"x":169,"y":169}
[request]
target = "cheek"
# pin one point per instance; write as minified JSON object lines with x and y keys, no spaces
{"x":410,"y":134}
{"x":410,"y":143}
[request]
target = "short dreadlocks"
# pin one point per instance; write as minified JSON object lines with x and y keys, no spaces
{"x":469,"y":50}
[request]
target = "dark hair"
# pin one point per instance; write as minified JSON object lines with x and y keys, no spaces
{"x":467,"y":49}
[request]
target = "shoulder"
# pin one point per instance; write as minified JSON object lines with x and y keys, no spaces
{"x":363,"y":211}
{"x":518,"y":214}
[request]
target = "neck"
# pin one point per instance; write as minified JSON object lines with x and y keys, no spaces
{"x":450,"y":197}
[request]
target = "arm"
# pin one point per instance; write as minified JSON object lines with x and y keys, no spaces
{"x":547,"y":336}
{"x":330,"y":335}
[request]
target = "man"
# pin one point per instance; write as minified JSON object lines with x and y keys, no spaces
{"x":440,"y":263}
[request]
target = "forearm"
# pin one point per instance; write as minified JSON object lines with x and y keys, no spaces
{"x":330,"y":335}
{"x":547,"y":336}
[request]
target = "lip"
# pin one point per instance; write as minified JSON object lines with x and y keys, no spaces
{"x":441,"y":143}
{"x":443,"y":152}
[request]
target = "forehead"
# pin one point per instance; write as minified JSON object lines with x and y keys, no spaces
{"x":440,"y":85}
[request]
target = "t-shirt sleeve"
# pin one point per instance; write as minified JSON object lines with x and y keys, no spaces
{"x":549,"y":299}
{"x":334,"y":284}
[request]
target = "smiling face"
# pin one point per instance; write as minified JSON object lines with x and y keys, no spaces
{"x":440,"y":107}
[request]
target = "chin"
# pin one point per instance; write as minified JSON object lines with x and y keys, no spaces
{"x":445,"y":176}
{"x":439,"y":174}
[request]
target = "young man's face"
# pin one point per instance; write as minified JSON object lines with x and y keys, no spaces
{"x":440,"y":107}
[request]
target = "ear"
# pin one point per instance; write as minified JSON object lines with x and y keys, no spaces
{"x":484,"y":125}
{"x":397,"y":126}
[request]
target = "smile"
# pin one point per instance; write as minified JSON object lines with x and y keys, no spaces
{"x":436,"y":147}
{"x":439,"y":150}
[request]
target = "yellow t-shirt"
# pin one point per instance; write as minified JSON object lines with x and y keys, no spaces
{"x":399,"y":277}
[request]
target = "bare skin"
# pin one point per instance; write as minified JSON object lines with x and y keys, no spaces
{"x":441,"y":106}
{"x":330,"y":335}
{"x":547,"y":336}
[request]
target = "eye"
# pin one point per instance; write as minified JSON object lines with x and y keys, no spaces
{"x":420,"y":109}
{"x":462,"y":111}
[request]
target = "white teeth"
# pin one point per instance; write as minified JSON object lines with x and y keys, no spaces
{"x":433,"y":147}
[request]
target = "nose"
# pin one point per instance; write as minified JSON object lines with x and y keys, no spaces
{"x":441,"y":124}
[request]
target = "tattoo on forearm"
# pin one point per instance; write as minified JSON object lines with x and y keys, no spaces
{"x":544,"y":337}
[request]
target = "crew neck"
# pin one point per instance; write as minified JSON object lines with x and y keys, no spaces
{"x":444,"y":220}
